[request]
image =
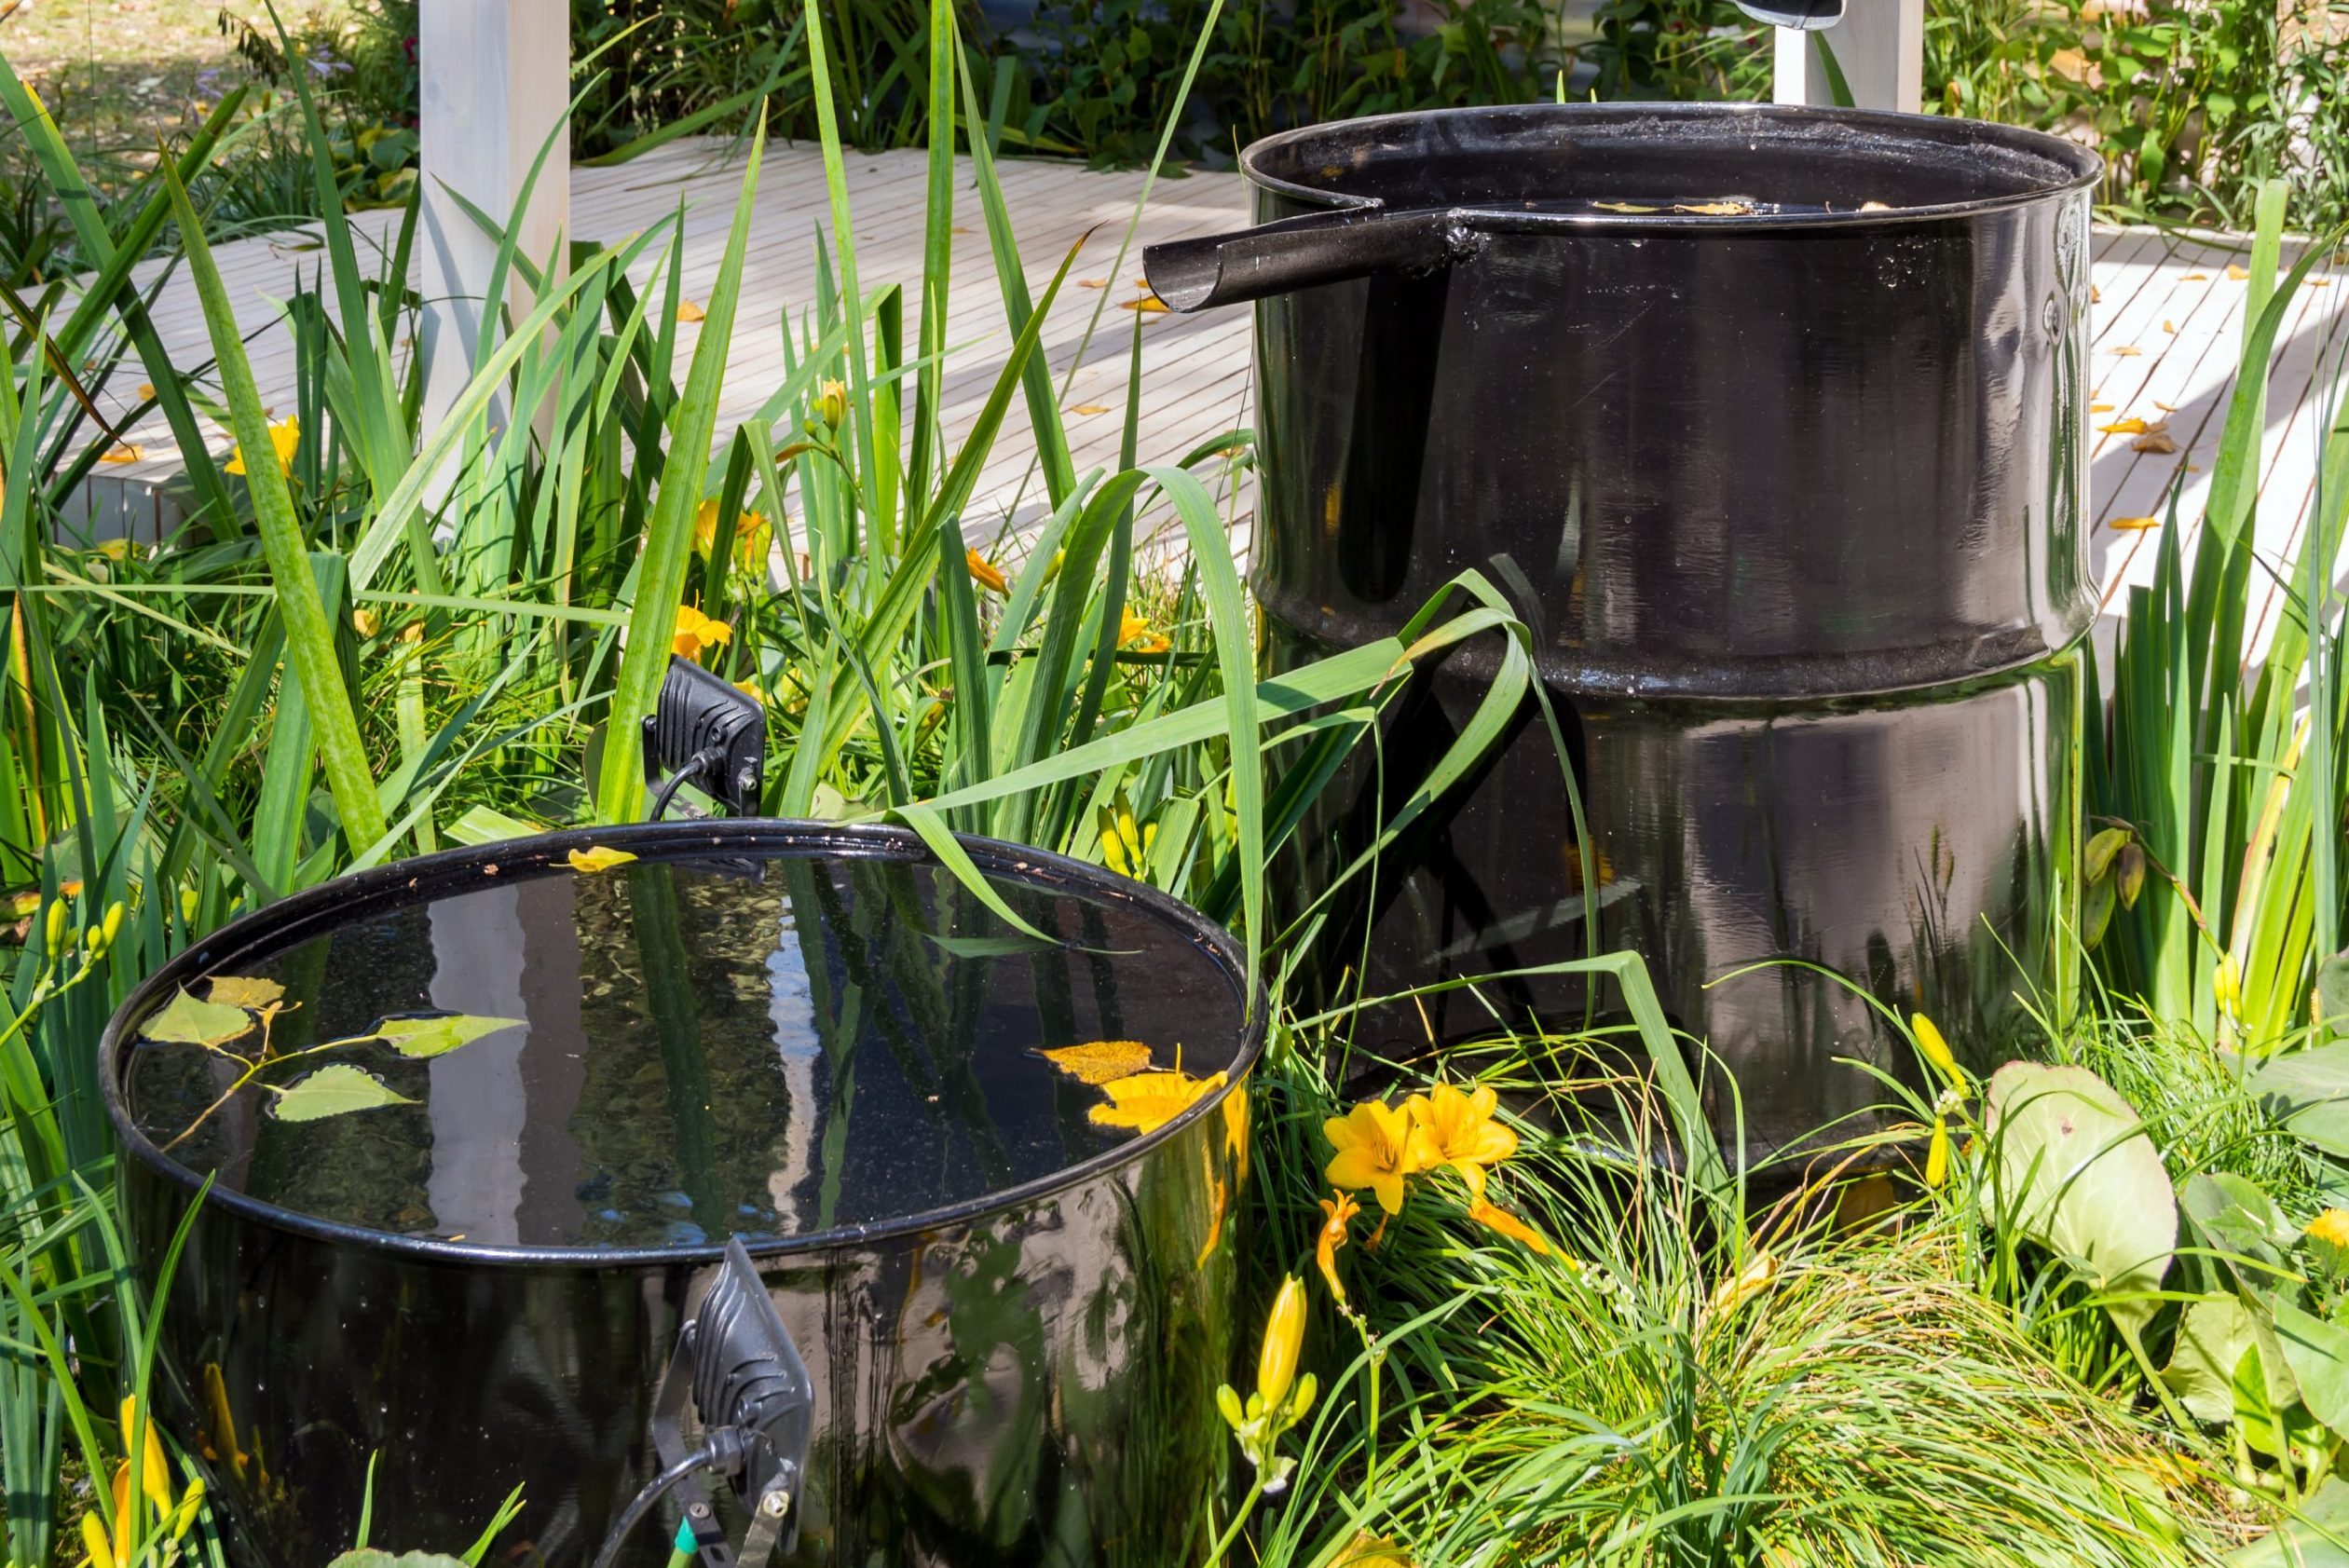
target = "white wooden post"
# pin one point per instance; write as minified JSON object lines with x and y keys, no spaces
{"x":495,"y":81}
{"x":1879,"y":46}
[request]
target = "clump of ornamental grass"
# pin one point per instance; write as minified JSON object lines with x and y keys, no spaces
{"x":1667,"y":1378}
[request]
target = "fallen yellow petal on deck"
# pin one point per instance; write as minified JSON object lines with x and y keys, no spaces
{"x":2133,"y":525}
{"x":126,"y":455}
{"x":1149,"y":305}
{"x":1092,"y":282}
{"x":597,"y":858}
{"x":1147,"y":1101}
{"x":688,"y":311}
{"x":2125,"y":351}
{"x":2099,"y":408}
{"x":2130,"y":426}
{"x":2236,"y":272}
{"x":1090,"y":408}
{"x":1100,"y":1061}
{"x":147,"y":390}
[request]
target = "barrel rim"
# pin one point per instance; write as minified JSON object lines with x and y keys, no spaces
{"x":330,"y":904}
{"x":1910,"y":131}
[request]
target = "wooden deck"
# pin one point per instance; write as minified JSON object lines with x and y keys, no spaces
{"x":2167,"y":330}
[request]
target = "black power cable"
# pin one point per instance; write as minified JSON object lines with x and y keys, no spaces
{"x":714,"y":1454}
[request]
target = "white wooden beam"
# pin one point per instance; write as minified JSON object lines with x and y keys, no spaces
{"x":494,"y":82}
{"x":1879,"y":46}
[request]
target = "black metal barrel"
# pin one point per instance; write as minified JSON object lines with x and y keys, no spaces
{"x":1768,"y":422}
{"x":1025,"y":1373}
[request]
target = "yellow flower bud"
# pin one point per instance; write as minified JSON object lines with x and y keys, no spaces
{"x":1936,"y":1050}
{"x":1284,"y":1337}
{"x":53,"y":927}
{"x":188,"y":901}
{"x":831,"y":404}
{"x":1937,"y":1156}
{"x":111,"y":927}
{"x":2226,"y":985}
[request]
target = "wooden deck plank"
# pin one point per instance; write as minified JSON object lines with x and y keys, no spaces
{"x":1198,"y":371}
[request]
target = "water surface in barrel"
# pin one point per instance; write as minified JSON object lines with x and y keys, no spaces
{"x":666,"y":1052}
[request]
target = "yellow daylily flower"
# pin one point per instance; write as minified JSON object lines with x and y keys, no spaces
{"x":696,"y":632}
{"x":285,"y":435}
{"x":364,"y":622}
{"x":1337,"y":1212}
{"x":1377,"y":1147}
{"x":1461,"y":1130}
{"x":753,"y":538}
{"x":1124,"y":847}
{"x":985,"y":573}
{"x":831,"y":403}
{"x":1134,"y":632}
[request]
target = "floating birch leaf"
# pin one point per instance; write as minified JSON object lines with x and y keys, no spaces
{"x":1149,"y":1101}
{"x":335,"y":1091}
{"x":1716,"y":208}
{"x":1622,"y":206}
{"x":186,"y":1022}
{"x":419,"y":1038}
{"x":1101,"y":1061}
{"x":236,"y":991}
{"x":595,"y":857}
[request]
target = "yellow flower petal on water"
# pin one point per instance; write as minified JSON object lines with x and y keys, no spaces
{"x":595,"y":857}
{"x":690,"y":312}
{"x":985,"y":573}
{"x":1147,"y":1101}
{"x":1100,"y":1061}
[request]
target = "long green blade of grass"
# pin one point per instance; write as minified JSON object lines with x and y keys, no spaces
{"x":310,"y":637}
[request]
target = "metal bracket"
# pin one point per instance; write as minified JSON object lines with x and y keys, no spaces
{"x":737,"y":1363}
{"x":1806,"y":15}
{"x":706,"y":732}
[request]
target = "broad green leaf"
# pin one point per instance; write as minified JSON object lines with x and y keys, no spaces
{"x":236,"y":991}
{"x":185,"y":1021}
{"x":2211,"y":1340}
{"x":335,"y":1091}
{"x":2332,"y":991}
{"x":2317,"y":1536}
{"x":2318,"y":1350}
{"x":419,"y":1038}
{"x":2235,"y":1216}
{"x":2308,"y":1093}
{"x":2077,"y":1173}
